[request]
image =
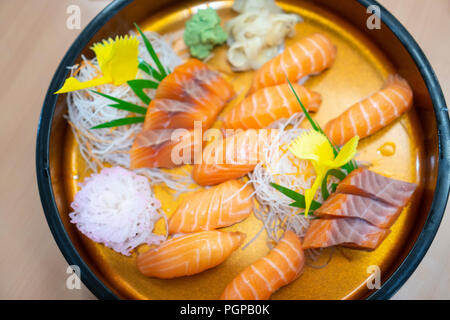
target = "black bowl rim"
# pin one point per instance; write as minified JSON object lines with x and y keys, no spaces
{"x":437,"y":210}
{"x":389,"y":287}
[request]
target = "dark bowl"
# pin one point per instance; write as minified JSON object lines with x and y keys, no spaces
{"x":393,"y":39}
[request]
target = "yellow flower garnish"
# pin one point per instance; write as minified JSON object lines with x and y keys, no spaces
{"x":118,"y":62}
{"x":314,"y":146}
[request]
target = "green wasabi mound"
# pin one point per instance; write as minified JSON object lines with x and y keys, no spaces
{"x":203,"y":32}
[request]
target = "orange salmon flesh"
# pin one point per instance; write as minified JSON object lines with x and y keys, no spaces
{"x":280,"y":267}
{"x":269,"y":104}
{"x":189,"y":254}
{"x":220,"y":206}
{"x":310,"y":55}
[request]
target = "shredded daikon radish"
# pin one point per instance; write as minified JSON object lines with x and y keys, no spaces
{"x":176,"y":41}
{"x":283,"y":168}
{"x":111,"y":145}
{"x":117,"y":207}
{"x":163,"y":48}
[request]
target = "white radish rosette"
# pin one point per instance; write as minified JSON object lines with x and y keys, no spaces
{"x":116,"y":207}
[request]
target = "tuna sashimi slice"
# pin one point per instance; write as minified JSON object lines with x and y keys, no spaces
{"x":376,"y":212}
{"x":367,"y":183}
{"x":350,"y":232}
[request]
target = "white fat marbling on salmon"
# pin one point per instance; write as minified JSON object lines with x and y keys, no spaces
{"x":189,"y":254}
{"x":377,"y":107}
{"x":286,"y":258}
{"x":391,"y":103}
{"x":310,"y":57}
{"x":219,"y":206}
{"x":276,"y":268}
{"x":281,"y":266}
{"x":322,"y":52}
{"x":378,"y":110}
{"x":262,"y":277}
{"x":367,"y":183}
{"x":366,"y":117}
{"x":249,"y":285}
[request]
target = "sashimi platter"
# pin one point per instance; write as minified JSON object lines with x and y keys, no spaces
{"x":240,"y":150}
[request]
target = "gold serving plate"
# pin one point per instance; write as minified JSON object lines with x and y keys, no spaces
{"x":360,"y":69}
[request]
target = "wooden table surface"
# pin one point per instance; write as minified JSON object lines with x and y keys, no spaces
{"x":33,"y":40}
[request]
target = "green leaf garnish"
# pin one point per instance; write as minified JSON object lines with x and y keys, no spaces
{"x":139,"y":84}
{"x":315,"y":126}
{"x":148,"y":69}
{"x":301,"y":204}
{"x":337,"y":173}
{"x":120,"y":122}
{"x":152,"y":52}
{"x":350,"y":166}
{"x":299,"y":198}
{"x":288,"y":192}
{"x":122,"y":104}
{"x":333,"y":172}
{"x":334,"y":187}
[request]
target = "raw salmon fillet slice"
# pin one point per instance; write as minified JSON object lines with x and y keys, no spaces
{"x":280,"y":267}
{"x":189,"y":254}
{"x":373,"y":113}
{"x":192,"y":82}
{"x":160,"y":149}
{"x":350,"y":232}
{"x":234,"y":156}
{"x":366,"y":183}
{"x":269,"y":104}
{"x":309,"y":55}
{"x":376,"y":212}
{"x":170,"y":114}
{"x":191,"y":93}
{"x":216,"y":207}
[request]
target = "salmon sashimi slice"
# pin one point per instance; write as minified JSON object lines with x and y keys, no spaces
{"x":376,"y":212}
{"x":269,"y":104}
{"x":216,"y":207}
{"x":351,"y":232}
{"x":164,"y":149}
{"x":194,"y":82}
{"x":366,"y":183}
{"x":310,"y":55}
{"x":191,"y":94}
{"x":189,"y":254}
{"x":234,"y":156}
{"x":373,"y":113}
{"x":169,"y":114}
{"x":280,"y":267}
